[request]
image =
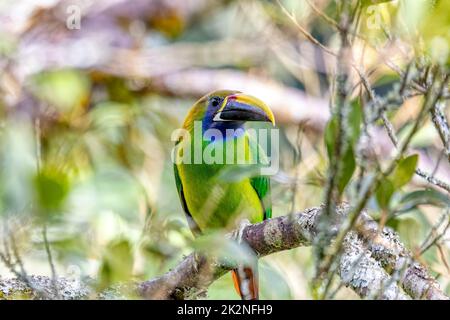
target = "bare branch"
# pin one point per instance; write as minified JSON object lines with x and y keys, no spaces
{"x":392,"y":254}
{"x":441,"y":124}
{"x":282,"y":233}
{"x":43,"y":288}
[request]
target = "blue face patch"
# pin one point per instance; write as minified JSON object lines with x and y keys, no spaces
{"x":214,"y":104}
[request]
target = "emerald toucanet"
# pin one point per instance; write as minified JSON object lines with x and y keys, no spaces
{"x":210,"y":200}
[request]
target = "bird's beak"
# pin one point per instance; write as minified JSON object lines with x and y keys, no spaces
{"x":241,"y":107}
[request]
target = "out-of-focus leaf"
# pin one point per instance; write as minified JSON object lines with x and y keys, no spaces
{"x":52,"y":188}
{"x":222,"y":289}
{"x":17,"y":165}
{"x":110,"y":188}
{"x":412,"y":227}
{"x":435,"y":31}
{"x":229,"y":251}
{"x":404,"y":170}
{"x":119,"y":91}
{"x":110,"y":120}
{"x":69,"y":247}
{"x":159,"y":250}
{"x":411,"y":14}
{"x":374,"y":15}
{"x":409,"y":229}
{"x":273,"y":284}
{"x":384,"y":193}
{"x":117,"y":264}
{"x":170,"y":23}
{"x":411,"y":200}
{"x":63,"y":89}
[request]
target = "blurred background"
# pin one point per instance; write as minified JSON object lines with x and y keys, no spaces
{"x":90,"y":92}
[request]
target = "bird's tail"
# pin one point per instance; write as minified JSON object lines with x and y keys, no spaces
{"x":245,"y":280}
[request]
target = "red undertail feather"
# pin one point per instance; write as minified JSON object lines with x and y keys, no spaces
{"x":246,"y":283}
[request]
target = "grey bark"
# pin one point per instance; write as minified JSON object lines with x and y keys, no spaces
{"x":374,"y":263}
{"x":367,"y":265}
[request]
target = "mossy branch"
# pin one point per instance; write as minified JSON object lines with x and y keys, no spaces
{"x":374,"y":263}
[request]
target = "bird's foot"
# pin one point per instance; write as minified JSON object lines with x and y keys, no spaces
{"x":238,"y":234}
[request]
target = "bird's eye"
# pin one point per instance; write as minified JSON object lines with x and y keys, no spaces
{"x":215,"y":101}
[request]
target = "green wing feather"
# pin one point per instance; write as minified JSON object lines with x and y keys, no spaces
{"x":194,"y":227}
{"x":261,"y":185}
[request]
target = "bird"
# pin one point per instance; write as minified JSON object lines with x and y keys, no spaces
{"x":210,"y":200}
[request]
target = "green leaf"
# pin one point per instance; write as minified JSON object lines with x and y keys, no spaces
{"x":51,"y":188}
{"x":384,"y":193}
{"x":411,"y":227}
{"x":404,"y":170}
{"x":330,"y":136}
{"x":353,"y":131}
{"x":347,"y":168}
{"x":65,"y":89}
{"x":411,"y":200}
{"x":348,"y":163}
{"x":273,"y":284}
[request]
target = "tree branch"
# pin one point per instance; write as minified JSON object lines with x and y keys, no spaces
{"x":373,"y":263}
{"x":368,"y":264}
{"x":441,"y":124}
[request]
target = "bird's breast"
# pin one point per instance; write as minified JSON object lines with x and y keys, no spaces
{"x":214,"y":197}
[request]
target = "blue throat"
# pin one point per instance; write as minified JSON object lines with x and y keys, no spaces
{"x":222,"y":126}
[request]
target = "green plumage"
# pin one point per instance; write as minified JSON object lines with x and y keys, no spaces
{"x":219,"y":194}
{"x":212,"y":201}
{"x":208,"y":196}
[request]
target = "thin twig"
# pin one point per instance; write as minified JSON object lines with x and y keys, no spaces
{"x":391,"y":131}
{"x":441,"y":124}
{"x":427,"y":244}
{"x":50,"y":260}
{"x":305,"y":32}
{"x":322,"y":14}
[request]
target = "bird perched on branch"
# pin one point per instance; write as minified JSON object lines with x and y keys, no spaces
{"x":212,"y":196}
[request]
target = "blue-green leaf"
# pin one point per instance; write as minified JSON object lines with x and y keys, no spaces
{"x":411,"y":200}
